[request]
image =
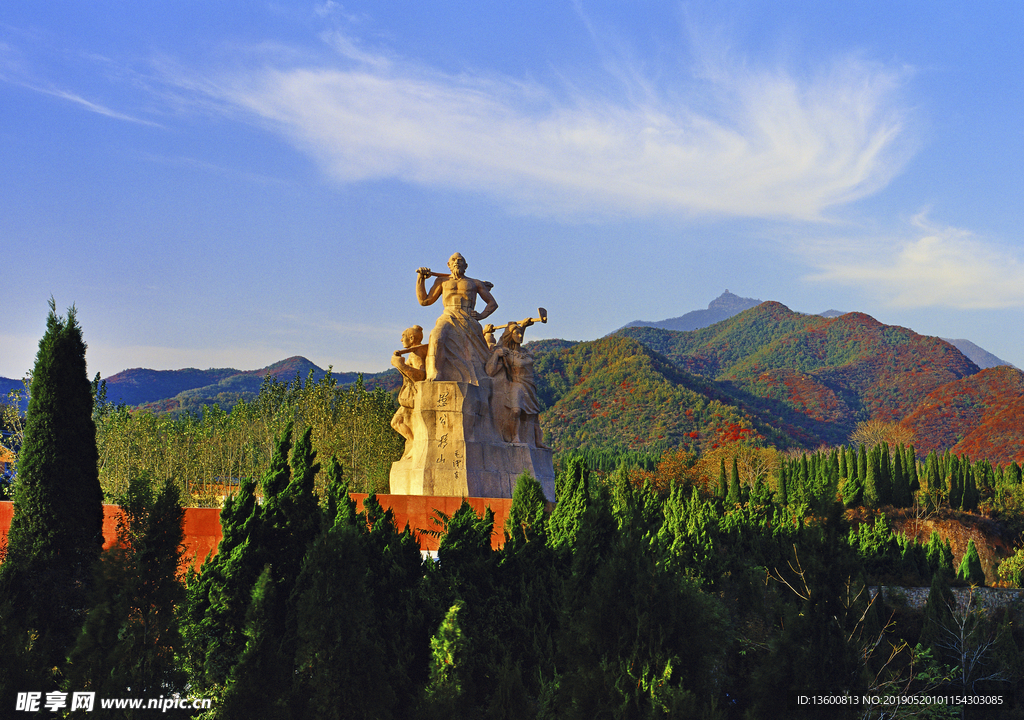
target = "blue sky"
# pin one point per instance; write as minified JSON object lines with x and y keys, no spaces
{"x":228,"y":184}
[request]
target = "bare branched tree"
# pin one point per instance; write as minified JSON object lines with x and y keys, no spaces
{"x":901,"y":669}
{"x":969,"y":640}
{"x":873,"y":432}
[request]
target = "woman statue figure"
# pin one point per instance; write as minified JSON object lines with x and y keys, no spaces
{"x":514,"y":401}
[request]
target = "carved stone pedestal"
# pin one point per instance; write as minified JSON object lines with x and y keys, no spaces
{"x":457,"y":451}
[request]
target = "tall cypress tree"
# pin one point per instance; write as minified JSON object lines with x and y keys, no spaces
{"x":901,"y":495}
{"x":939,"y":554}
{"x":910,"y":468}
{"x":970,"y":566}
{"x":862,"y":466}
{"x":735,"y":492}
{"x":853,"y":489}
{"x":253,"y":686}
{"x":956,"y":483}
{"x":57,"y":531}
{"x":783,"y":491}
{"x":883,"y":478}
{"x":1015,"y":474}
{"x":871,"y":479}
{"x":936,"y":486}
{"x":970,"y":494}
{"x":253,"y":536}
{"x":805,"y":477}
{"x":563,"y":525}
{"x":527,"y":521}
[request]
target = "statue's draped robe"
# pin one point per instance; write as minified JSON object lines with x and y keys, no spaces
{"x":515,"y":394}
{"x":457,"y":351}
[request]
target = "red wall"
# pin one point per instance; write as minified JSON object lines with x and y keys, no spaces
{"x":418,"y":510}
{"x":202,"y":525}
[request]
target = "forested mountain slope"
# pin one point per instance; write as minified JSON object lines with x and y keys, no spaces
{"x":814,"y":376}
{"x":616,"y":393}
{"x":979,"y":415}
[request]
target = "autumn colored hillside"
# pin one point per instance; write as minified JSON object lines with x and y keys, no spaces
{"x":979,"y":415}
{"x":617,"y":393}
{"x":804,"y":380}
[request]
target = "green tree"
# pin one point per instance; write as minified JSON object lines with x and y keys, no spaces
{"x":57,"y":530}
{"x":573,"y":500}
{"x":883,"y":481}
{"x":853,"y":488}
{"x":341,"y":653}
{"x":901,"y":494}
{"x":936,"y":486}
{"x":1011,"y":570}
{"x":527,"y":521}
{"x":814,"y":653}
{"x":862,"y":467}
{"x":449,"y":691}
{"x":938,"y":615}
{"x":255,"y":683}
{"x":276,"y":533}
{"x":971,"y":496}
{"x":642,"y":642}
{"x":871,"y":479}
{"x":395,"y":575}
{"x":939,"y":554}
{"x":970,"y":566}
{"x":910,"y":468}
{"x":783,"y":485}
{"x":735,"y":492}
{"x":131,"y":630}
{"x":956,"y":483}
{"x":358,"y":614}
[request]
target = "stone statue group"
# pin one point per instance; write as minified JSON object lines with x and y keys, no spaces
{"x":468,"y":406}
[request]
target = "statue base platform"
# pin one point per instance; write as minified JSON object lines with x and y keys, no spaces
{"x":456,"y":450}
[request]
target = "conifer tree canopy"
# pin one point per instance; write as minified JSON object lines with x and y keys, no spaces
{"x":57,"y":531}
{"x":735,"y":493}
{"x":970,"y":566}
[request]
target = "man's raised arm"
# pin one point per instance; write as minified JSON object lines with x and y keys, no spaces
{"x":422,"y":295}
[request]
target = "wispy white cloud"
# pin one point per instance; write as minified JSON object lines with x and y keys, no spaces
{"x":932,"y":266}
{"x":16,"y":71}
{"x":736,"y":142}
{"x":92,"y":106}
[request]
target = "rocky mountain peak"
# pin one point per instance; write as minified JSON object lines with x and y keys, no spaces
{"x":731,"y":303}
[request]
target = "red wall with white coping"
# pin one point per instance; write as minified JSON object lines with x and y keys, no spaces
{"x":203,"y":533}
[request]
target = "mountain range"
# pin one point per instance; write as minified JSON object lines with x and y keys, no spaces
{"x":813,"y":378}
{"x":176,"y":391}
{"x":727,"y":304}
{"x":743,"y":369}
{"x":721,"y":308}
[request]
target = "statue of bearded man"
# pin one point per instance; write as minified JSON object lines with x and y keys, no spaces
{"x":457,"y":350}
